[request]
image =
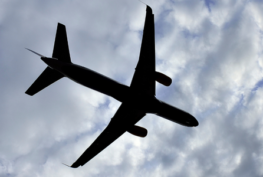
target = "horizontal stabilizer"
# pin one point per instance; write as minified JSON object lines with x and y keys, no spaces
{"x":35,"y":53}
{"x":48,"y":77}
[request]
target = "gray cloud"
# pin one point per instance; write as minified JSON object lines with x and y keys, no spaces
{"x":211,"y":49}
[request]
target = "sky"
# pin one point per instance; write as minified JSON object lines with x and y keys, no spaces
{"x":212,"y":50}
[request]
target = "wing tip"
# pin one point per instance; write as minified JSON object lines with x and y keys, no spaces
{"x":75,"y":165}
{"x":35,"y":52}
{"x":147,"y":7}
{"x":72,"y":166}
{"x":66,"y":165}
{"x":28,"y":93}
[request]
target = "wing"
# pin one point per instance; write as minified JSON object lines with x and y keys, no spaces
{"x":119,"y":124}
{"x":144,"y":76}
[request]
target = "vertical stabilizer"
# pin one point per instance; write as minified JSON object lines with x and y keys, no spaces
{"x":61,"y":49}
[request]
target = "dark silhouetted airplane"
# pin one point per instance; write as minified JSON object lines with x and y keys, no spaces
{"x":137,"y":100}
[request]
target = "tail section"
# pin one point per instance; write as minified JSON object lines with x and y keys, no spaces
{"x":60,"y":52}
{"x":61,"y":49}
{"x":48,"y":77}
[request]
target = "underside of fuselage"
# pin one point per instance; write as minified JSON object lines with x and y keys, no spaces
{"x":140,"y":101}
{"x":137,"y":100}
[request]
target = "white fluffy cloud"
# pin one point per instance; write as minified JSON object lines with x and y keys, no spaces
{"x":211,"y":49}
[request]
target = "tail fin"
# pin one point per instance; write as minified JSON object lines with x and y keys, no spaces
{"x":61,"y":52}
{"x":48,"y":77}
{"x":61,"y":49}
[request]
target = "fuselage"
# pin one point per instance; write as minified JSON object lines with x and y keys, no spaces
{"x":121,"y":92}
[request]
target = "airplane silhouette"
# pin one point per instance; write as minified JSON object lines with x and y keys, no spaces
{"x":137,"y":100}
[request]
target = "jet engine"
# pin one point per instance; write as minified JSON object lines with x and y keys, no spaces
{"x":138,"y":131}
{"x":162,"y":78}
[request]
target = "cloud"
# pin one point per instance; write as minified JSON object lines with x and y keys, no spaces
{"x":212,"y":50}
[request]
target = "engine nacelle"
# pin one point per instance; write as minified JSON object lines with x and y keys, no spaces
{"x":138,"y":131}
{"x":162,"y":78}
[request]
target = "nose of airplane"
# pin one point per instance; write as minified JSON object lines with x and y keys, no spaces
{"x":191,"y":121}
{"x":195,"y":122}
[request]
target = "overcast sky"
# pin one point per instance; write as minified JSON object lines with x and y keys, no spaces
{"x":213,"y":51}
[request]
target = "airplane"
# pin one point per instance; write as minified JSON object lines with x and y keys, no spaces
{"x":137,"y":100}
